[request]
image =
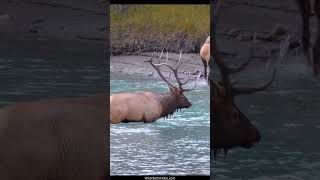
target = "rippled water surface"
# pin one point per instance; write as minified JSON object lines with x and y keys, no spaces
{"x":175,"y":146}
{"x":288,"y":117}
{"x":26,"y":79}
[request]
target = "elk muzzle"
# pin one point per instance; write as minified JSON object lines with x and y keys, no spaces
{"x":253,"y":138}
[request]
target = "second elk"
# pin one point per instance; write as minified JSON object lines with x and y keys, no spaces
{"x":231,"y":128}
{"x":149,"y":106}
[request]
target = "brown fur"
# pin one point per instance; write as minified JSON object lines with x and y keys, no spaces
{"x":205,"y":55}
{"x":231,"y":128}
{"x":145,"y":106}
{"x":54,"y":139}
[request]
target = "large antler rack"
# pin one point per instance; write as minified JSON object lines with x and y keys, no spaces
{"x":174,"y":71}
{"x":225,"y":71}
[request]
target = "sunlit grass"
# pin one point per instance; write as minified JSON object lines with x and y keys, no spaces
{"x":145,"y":27}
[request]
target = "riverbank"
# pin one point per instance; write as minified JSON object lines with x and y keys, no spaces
{"x":64,"y":31}
{"x":144,"y":28}
{"x":135,"y":65}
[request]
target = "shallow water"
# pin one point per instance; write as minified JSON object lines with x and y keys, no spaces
{"x":288,"y":118}
{"x":26,"y":79}
{"x":175,"y":146}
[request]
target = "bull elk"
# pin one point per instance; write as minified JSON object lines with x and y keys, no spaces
{"x":305,"y":12}
{"x":60,"y":139}
{"x":231,"y":128}
{"x":149,"y":106}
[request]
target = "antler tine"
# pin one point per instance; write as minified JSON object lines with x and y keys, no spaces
{"x":224,"y":71}
{"x":250,"y":90}
{"x":195,"y":83}
{"x":174,"y":71}
{"x":157,"y":68}
{"x":151,"y":59}
{"x":160,"y":57}
{"x":179,"y":62}
{"x":183,"y":83}
{"x":167,"y":57}
{"x":246,"y":63}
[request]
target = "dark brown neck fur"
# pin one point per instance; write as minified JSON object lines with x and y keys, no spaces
{"x":169,"y":104}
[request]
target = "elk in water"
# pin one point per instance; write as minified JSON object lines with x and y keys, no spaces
{"x":60,"y":139}
{"x":149,"y":106}
{"x":305,"y":12}
{"x":230,"y":128}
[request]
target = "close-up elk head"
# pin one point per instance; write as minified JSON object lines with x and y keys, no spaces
{"x":182,"y":100}
{"x":231,"y":128}
{"x":149,"y":106}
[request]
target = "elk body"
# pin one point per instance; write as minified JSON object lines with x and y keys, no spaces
{"x":149,"y":106}
{"x":54,"y":140}
{"x":305,"y":12}
{"x":205,"y":55}
{"x":205,"y":48}
{"x":231,"y":128}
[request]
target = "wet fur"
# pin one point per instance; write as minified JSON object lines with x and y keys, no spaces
{"x":54,"y":139}
{"x":144,"y":106}
{"x":229,"y":131}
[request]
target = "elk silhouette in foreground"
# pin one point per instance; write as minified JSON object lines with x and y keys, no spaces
{"x":231,"y":128}
{"x":305,"y":12}
{"x":62,"y":139}
{"x":149,"y":106}
{"x":205,"y":55}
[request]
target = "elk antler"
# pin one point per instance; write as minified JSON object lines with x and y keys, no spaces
{"x":174,"y":71}
{"x":157,"y":68}
{"x":230,"y":89}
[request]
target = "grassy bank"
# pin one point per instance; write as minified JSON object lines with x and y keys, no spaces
{"x":141,"y":28}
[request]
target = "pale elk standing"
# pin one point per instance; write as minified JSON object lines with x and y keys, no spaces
{"x":205,"y":49}
{"x":149,"y":106}
{"x":205,"y":55}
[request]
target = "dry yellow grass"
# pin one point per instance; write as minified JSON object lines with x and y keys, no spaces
{"x":145,"y":27}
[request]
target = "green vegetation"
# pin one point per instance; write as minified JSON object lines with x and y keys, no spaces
{"x":136,"y":28}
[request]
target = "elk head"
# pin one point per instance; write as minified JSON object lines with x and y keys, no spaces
{"x":231,"y":128}
{"x":175,"y":91}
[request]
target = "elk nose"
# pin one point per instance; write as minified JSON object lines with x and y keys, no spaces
{"x":256,"y":135}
